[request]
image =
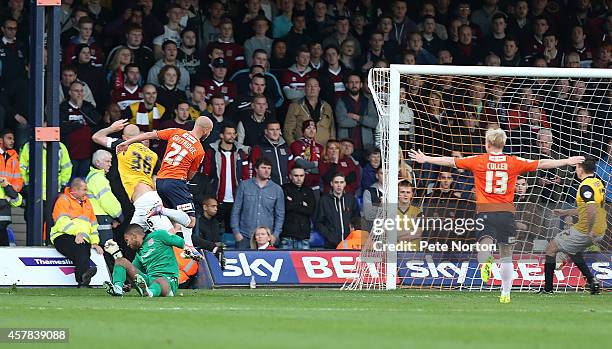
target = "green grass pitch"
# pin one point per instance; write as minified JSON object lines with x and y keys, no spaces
{"x":312,"y":318}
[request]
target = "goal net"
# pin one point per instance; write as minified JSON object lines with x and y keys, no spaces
{"x":445,"y":111}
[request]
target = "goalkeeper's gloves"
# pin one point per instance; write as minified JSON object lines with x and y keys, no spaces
{"x":113,"y":249}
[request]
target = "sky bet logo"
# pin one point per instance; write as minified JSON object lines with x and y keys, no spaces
{"x":268,"y":268}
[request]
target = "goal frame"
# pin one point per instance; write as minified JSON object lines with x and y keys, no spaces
{"x":395,"y":71}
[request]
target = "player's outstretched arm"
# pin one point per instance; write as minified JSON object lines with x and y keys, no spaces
{"x":141,"y":137}
{"x":101,"y":137}
{"x":421,"y":158}
{"x":546,"y":164}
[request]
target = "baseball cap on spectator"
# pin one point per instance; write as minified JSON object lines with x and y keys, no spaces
{"x":219,"y":63}
{"x":307,"y":123}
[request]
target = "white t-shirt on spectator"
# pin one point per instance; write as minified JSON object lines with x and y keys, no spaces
{"x":229,"y":194}
{"x":168,"y":34}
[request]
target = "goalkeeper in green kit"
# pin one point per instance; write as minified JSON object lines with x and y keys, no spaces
{"x":154,"y":271}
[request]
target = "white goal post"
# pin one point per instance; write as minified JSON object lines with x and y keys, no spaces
{"x":379,"y":269}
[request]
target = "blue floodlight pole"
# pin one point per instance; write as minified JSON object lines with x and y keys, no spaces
{"x":52,"y":94}
{"x":36,"y":115}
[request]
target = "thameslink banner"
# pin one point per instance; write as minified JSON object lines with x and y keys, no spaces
{"x":334,"y":268}
{"x":44,"y":266}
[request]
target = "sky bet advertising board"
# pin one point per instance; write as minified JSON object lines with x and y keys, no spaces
{"x":334,"y":268}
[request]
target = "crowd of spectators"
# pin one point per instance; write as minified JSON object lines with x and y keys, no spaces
{"x":295,"y":147}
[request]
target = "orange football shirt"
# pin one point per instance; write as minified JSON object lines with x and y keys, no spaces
{"x":183,"y":155}
{"x":495,"y":176}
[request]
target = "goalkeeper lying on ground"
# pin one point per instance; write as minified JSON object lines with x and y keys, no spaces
{"x":154,"y":272}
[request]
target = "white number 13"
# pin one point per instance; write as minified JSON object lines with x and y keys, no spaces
{"x":501,"y":182}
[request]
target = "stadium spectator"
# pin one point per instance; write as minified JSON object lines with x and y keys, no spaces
{"x":385,"y":26}
{"x":374,"y":54}
{"x":143,"y":56}
{"x":445,"y":57}
{"x":217,"y":116}
{"x":359,"y":29}
{"x":171,"y":32}
{"x":422,"y":56}
{"x":279,"y":60}
{"x":603,"y":57}
{"x":92,"y":74}
{"x":11,"y":183}
{"x":207,"y":224}
{"x":585,"y":137}
{"x":311,"y":107}
{"x":208,"y":26}
{"x":444,"y":201}
{"x":262,"y":239}
{"x":168,"y":92}
{"x":233,"y":52}
{"x":188,"y":55}
{"x":259,"y":201}
{"x":13,"y":54}
{"x":316,"y":53}
{"x":299,"y":208}
{"x":243,"y":77}
{"x":297,"y":36}
{"x":130,"y":91}
{"x":68,"y":77}
{"x":181,"y":120}
{"x":259,"y":41}
{"x":331,"y":76}
{"x":428,"y":10}
{"x":523,"y":139}
{"x":407,"y":209}
{"x":85,"y":36}
{"x":198,"y":105}
{"x":553,"y":56}
{"x":356,"y":116}
{"x":320,"y":24}
{"x":226,"y":166}
{"x":73,"y":29}
{"x":347,"y":149}
{"x":465,"y":51}
{"x":339,"y":8}
{"x":274,"y":148}
{"x":334,"y":162}
{"x":281,"y":25}
{"x":78,"y":118}
{"x":341,"y":33}
{"x":123,"y":56}
{"x":519,"y":23}
{"x":335,"y":210}
{"x":534,"y":44}
{"x":578,"y":44}
{"x":347,"y":53}
{"x":372,"y":198}
{"x":75,"y":231}
{"x":246,"y":20}
{"x":258,"y":84}
{"x":251,"y":128}
{"x":402,"y":24}
{"x":64,"y":167}
{"x":106,"y":207}
{"x":307,"y":153}
{"x":169,"y":54}
{"x":219,"y":83}
{"x":495,"y":41}
{"x":484,"y":17}
{"x":295,"y":77}
{"x":431,"y":39}
{"x":146,"y":114}
{"x":492,"y":60}
{"x":368,"y":174}
{"x":99,"y":14}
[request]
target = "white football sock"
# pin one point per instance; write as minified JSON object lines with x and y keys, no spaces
{"x":177,"y":216}
{"x":507,"y":273}
{"x":187,"y":235}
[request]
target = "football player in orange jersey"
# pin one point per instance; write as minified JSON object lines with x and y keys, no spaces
{"x":184,"y":154}
{"x":495,"y":175}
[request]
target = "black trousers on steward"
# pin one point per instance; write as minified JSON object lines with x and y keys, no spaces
{"x":78,"y":253}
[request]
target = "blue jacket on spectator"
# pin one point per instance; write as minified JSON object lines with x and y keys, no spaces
{"x":255,"y":206}
{"x":368,"y":177}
